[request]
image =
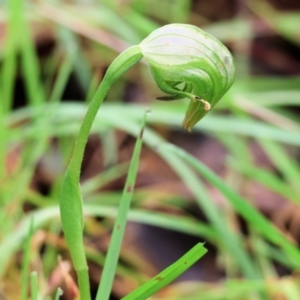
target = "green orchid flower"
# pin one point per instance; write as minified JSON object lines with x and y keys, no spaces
{"x":187,"y":62}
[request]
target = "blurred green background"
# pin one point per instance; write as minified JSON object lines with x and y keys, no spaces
{"x":53,"y":55}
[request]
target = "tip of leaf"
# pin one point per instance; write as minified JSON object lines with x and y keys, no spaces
{"x":186,"y":125}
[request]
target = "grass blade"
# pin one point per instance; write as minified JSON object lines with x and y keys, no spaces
{"x":168,"y":275}
{"x":10,"y":51}
{"x":25,"y":263}
{"x":34,"y":286}
{"x":59,"y":293}
{"x":286,"y":164}
{"x":30,"y":66}
{"x":120,"y":223}
{"x":61,"y":80}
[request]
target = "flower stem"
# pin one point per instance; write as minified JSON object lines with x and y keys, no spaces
{"x":119,"y":66}
{"x":84,"y":284}
{"x":70,"y":196}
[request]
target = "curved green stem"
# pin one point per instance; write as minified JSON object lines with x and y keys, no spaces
{"x":70,"y":197}
{"x":120,"y":65}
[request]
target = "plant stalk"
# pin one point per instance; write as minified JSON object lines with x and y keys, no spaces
{"x":71,"y":196}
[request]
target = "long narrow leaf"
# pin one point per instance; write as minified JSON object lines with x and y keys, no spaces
{"x":168,"y":275}
{"x":120,"y":223}
{"x":34,"y":286}
{"x":26,"y":259}
{"x":59,"y":292}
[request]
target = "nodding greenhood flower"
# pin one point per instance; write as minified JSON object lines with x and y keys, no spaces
{"x":187,"y":62}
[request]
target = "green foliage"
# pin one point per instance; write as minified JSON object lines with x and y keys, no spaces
{"x":114,"y":249}
{"x":168,"y":275}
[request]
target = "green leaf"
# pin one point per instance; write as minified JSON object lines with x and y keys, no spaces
{"x":26,"y":260}
{"x":72,"y":218}
{"x":168,"y":275}
{"x":34,"y":286}
{"x":70,"y":203}
{"x":120,"y":223}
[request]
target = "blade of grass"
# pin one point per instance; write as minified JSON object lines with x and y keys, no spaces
{"x":143,"y":25}
{"x":30,"y":66}
{"x":120,"y":223}
{"x":168,"y":275}
{"x":181,"y":224}
{"x":286,"y":24}
{"x":56,"y":14}
{"x":275,"y":254}
{"x":285,"y":164}
{"x":50,"y":252}
{"x":62,"y":78}
{"x":95,"y":183}
{"x":71,"y":46}
{"x":7,"y":75}
{"x":26,"y":259}
{"x":263,"y":260}
{"x":243,"y":163}
{"x":266,"y":178}
{"x":273,"y":98}
{"x":109,"y":147}
{"x":266,"y":114}
{"x":3,"y":148}
{"x":29,"y":156}
{"x":109,"y":16}
{"x":59,"y":293}
{"x":11,"y":45}
{"x":34,"y":286}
